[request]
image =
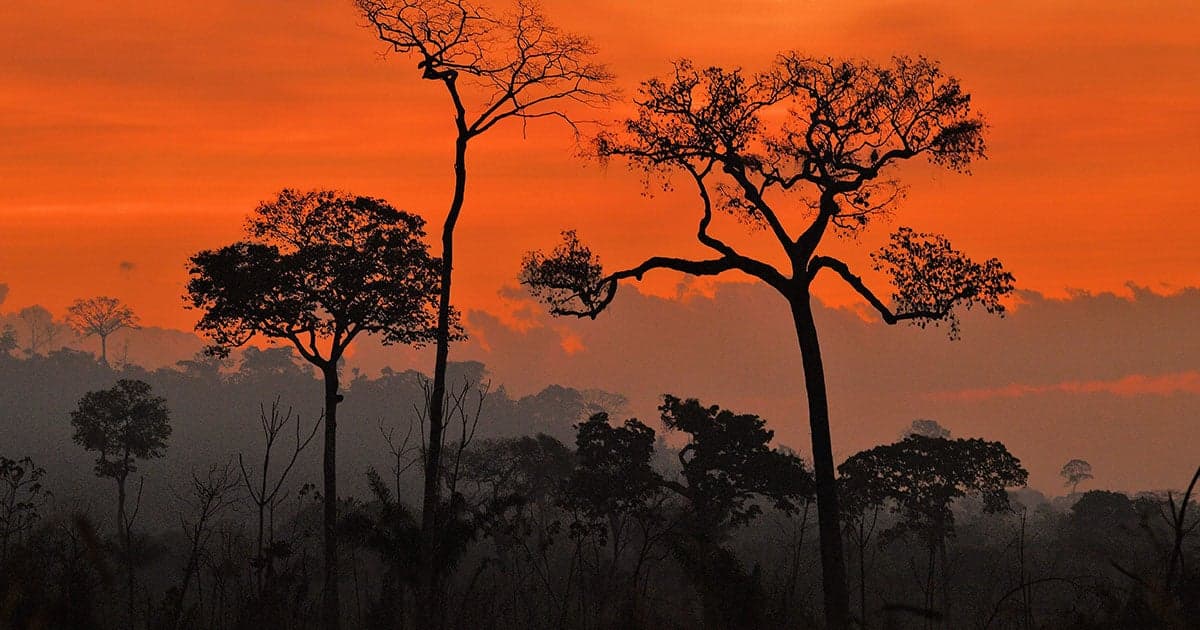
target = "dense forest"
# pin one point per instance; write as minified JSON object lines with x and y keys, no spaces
{"x":561,"y":513}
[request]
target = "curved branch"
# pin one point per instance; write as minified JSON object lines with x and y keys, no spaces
{"x":889,"y":317}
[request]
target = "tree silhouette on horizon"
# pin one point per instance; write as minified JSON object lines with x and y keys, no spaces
{"x":100,"y":316}
{"x":321,"y":268}
{"x":810,"y":141}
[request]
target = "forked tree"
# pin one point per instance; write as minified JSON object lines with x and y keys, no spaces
{"x":100,"y":316}
{"x":319,"y":269}
{"x":495,"y":68}
{"x":803,"y":152}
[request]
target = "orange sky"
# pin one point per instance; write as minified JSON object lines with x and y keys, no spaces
{"x":139,"y":132}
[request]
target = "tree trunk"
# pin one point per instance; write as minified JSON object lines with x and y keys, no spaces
{"x":126,"y":547}
{"x":331,"y":610}
{"x":121,"y":532}
{"x":104,"y":350}
{"x":429,"y":609}
{"x":833,"y":563}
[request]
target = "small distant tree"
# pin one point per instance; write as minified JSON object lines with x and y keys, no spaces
{"x":920,"y":477}
{"x":1075,"y":472}
{"x":121,"y":425}
{"x":801,"y":154}
{"x":100,"y":316}
{"x":41,"y":328}
{"x":926,"y":428}
{"x":319,"y":269}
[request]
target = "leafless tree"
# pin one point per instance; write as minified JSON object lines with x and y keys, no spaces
{"x":495,"y":67}
{"x":42,"y":329}
{"x":267,"y":492}
{"x":211,"y":496}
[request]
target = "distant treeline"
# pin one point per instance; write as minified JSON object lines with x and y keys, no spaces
{"x":561,"y":513}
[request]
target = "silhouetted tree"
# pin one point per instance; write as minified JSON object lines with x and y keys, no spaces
{"x":100,"y":316}
{"x":514,"y":66}
{"x":22,"y":496}
{"x":122,"y":425}
{"x":800,"y":151}
{"x":524,"y":474}
{"x":319,"y":269}
{"x":920,"y":477}
{"x":210,"y":498}
{"x":1074,"y":472}
{"x":926,"y":428}
{"x":41,"y":327}
{"x":267,"y":492}
{"x":728,"y":468}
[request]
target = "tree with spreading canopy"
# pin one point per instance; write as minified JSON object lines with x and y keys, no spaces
{"x":804,"y":151}
{"x":100,"y":316}
{"x":496,"y":68}
{"x":920,"y":477}
{"x":319,"y":269}
{"x":1075,"y":472}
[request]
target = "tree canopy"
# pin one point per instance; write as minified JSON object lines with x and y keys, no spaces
{"x":319,"y":268}
{"x":920,"y":477}
{"x":122,"y":424}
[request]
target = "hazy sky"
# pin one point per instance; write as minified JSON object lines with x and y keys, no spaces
{"x":134,"y":133}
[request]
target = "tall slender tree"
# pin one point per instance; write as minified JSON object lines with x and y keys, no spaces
{"x":319,"y":269}
{"x":495,"y":68}
{"x":100,"y":316}
{"x":801,"y":152}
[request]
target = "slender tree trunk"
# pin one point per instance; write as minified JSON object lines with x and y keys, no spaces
{"x":261,"y":560}
{"x":104,"y":350}
{"x":126,"y":547}
{"x":862,"y":572}
{"x":331,"y":610}
{"x":833,"y":563}
{"x":121,"y":532}
{"x":429,"y":610}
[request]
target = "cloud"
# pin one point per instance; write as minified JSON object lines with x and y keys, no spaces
{"x":1111,"y":378}
{"x":1132,"y":385}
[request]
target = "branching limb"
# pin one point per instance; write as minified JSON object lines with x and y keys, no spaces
{"x":931,"y":280}
{"x":571,"y":281}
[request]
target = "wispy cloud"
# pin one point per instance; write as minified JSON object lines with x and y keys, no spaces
{"x":1131,"y":385}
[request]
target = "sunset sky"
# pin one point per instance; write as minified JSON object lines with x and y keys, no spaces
{"x":134,"y":133}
